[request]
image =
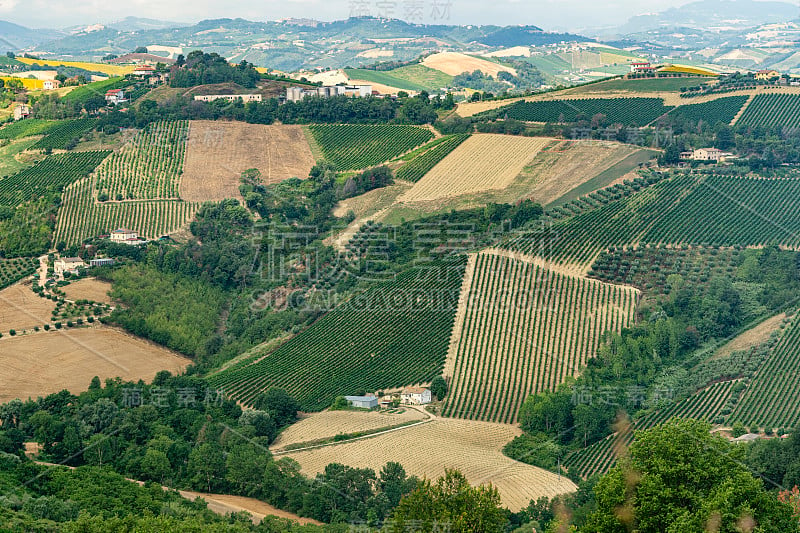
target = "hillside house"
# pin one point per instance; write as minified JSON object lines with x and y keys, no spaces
{"x":143,"y":70}
{"x":115,"y":96}
{"x":363,"y":402}
{"x":123,"y":235}
{"x":49,"y":85}
{"x":642,"y":67}
{"x":767,"y":74}
{"x":68,"y":264}
{"x":22,"y":111}
{"x":230,"y":97}
{"x":707,"y":154}
{"x":416,"y":396}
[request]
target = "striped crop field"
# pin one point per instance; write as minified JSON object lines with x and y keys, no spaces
{"x":720,"y":110}
{"x":771,"y":110}
{"x":627,"y":111}
{"x":601,"y":456}
{"x":483,"y":162}
{"x":69,"y":131}
{"x":772,"y":399}
{"x":51,"y":175}
{"x":149,"y":166}
{"x":704,"y":404}
{"x":394,"y":334}
{"x":579,"y":239}
{"x":357,"y":146}
{"x":27,"y":128}
{"x":726,"y":211}
{"x":82,"y":217}
{"x":524,"y":329}
{"x":423,"y":163}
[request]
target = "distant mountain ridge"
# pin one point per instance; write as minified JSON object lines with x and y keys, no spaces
{"x":16,"y":37}
{"x":713,"y":13}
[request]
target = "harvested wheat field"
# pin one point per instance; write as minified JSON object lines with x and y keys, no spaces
{"x":218,"y":152}
{"x":525,"y":328}
{"x":21,"y":309}
{"x":90,"y":289}
{"x":454,"y":63}
{"x":484,"y":162}
{"x":475,"y":448}
{"x":328,"y":424}
{"x":43,"y":363}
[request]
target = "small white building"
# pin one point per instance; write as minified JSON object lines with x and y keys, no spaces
{"x":101,"y":261}
{"x":144,"y":70}
{"x":68,"y":264}
{"x":123,"y":235}
{"x":22,"y":111}
{"x":230,"y":97}
{"x":115,"y":96}
{"x":49,"y":85}
{"x":416,"y":396}
{"x":707,"y":154}
{"x":363,"y":402}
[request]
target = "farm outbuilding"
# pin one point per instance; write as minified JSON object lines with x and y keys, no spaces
{"x":363,"y":402}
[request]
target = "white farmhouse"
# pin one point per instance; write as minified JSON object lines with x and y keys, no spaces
{"x":124,"y":236}
{"x":416,"y":396}
{"x":68,"y":264}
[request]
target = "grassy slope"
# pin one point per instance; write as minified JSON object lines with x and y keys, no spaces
{"x":8,"y":162}
{"x":642,"y":85}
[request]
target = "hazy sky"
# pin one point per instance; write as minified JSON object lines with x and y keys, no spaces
{"x":550,"y":14}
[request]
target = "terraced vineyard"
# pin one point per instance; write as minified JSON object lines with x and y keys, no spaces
{"x":52,"y":174}
{"x":720,"y":110}
{"x":704,"y":404}
{"x":27,"y":128}
{"x":81,"y":94}
{"x":524,"y":330}
{"x":13,"y":270}
{"x":60,"y":136}
{"x":727,"y":211}
{"x":422,"y":164}
{"x":772,"y":399}
{"x":770,"y":110}
{"x":353,"y":147}
{"x":601,"y":456}
{"x":579,"y":239}
{"x":392,"y":335}
{"x":81,"y":217}
{"x":149,"y":166}
{"x":627,"y":111}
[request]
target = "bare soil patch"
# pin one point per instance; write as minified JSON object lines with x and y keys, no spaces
{"x":21,"y":309}
{"x":218,"y":152}
{"x":89,"y":289}
{"x":475,"y":448}
{"x":43,"y":363}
